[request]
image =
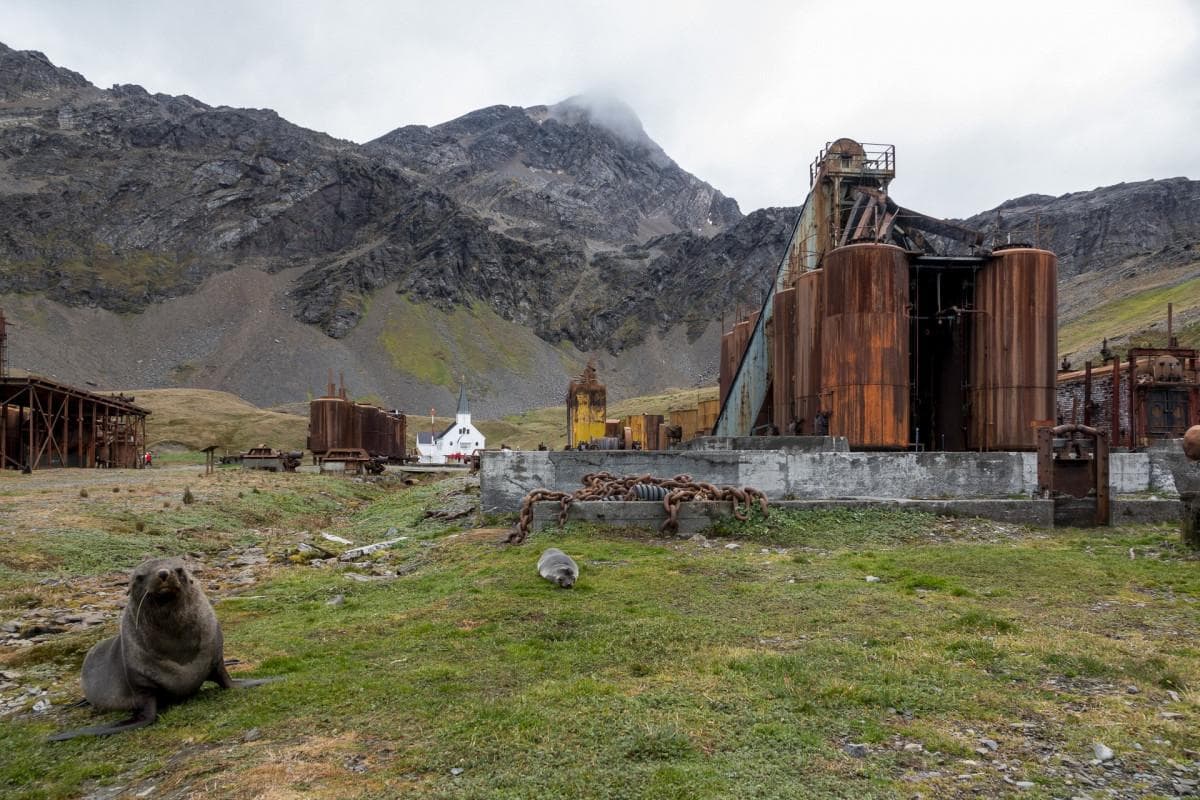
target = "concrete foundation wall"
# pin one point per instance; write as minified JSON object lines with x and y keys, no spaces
{"x":699,"y":517}
{"x":507,"y":476}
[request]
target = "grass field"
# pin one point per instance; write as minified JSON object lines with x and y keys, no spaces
{"x":985,"y":662}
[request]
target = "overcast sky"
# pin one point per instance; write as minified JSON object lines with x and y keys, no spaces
{"x":984,"y":101}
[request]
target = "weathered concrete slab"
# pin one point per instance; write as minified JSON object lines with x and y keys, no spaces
{"x":507,"y":476}
{"x":791,"y":474}
{"x":1127,"y":512}
{"x":699,"y":517}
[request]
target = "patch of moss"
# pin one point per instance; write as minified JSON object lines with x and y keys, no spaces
{"x":1131,"y":315}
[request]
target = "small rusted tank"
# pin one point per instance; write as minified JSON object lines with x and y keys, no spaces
{"x":864,"y":345}
{"x":1013,"y":349}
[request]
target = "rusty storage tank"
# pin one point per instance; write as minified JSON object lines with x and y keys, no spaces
{"x":725,"y":367}
{"x":325,"y":423}
{"x":864,"y":345}
{"x":783,"y":359}
{"x":732,"y":358}
{"x":364,"y":415}
{"x":688,"y":420}
{"x":806,"y":372}
{"x":398,"y":438}
{"x":1013,"y":349}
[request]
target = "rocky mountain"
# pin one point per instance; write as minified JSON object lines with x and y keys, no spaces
{"x":583,"y":170}
{"x":555,"y":219}
{"x":153,"y":240}
{"x":1097,"y":230}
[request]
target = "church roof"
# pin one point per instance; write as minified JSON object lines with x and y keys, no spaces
{"x":463,"y":408}
{"x":427,"y":437}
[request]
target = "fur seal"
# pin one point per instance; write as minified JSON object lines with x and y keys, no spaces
{"x":557,"y":567}
{"x":168,"y":645}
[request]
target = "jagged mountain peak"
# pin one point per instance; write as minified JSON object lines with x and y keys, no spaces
{"x":29,"y":74}
{"x":583,"y":168}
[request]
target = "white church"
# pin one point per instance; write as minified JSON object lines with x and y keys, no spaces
{"x":454,"y":444}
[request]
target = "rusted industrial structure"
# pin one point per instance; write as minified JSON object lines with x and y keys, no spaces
{"x":587,"y":405}
{"x":1154,"y":393}
{"x":336,"y":422}
{"x":44,"y":423}
{"x":876,"y":331}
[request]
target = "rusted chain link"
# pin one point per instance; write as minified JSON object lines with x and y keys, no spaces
{"x":671,"y":491}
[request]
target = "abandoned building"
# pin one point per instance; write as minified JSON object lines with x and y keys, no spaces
{"x":44,"y":423}
{"x":338,"y":424}
{"x":1154,"y":394}
{"x":875,"y":330}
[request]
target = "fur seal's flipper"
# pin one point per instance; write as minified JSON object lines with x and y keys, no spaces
{"x":246,"y":683}
{"x":142,"y":716}
{"x":221,"y":677}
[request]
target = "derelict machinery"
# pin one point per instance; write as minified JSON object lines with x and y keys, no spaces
{"x":894,"y":329}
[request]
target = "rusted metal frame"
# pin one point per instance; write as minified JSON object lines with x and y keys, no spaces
{"x":1133,"y":408}
{"x":1116,"y":401}
{"x":79,"y":457}
{"x":64,"y":447}
{"x":50,"y":418}
{"x":856,"y":216}
{"x":1087,"y":393}
{"x":91,"y":459}
{"x":34,"y":382}
{"x":749,"y":384}
{"x":30,"y":460}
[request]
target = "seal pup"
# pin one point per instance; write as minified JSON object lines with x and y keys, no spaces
{"x":558,"y":567}
{"x":168,"y":645}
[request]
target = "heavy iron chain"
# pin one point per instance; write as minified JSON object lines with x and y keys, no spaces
{"x":673,"y":491}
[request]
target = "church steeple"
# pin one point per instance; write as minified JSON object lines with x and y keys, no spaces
{"x":464,"y":410}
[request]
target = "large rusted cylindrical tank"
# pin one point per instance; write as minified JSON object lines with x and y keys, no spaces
{"x":864,"y":345}
{"x":1013,"y":349}
{"x":324,"y":423}
{"x":783,"y":359}
{"x":806,"y":372}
